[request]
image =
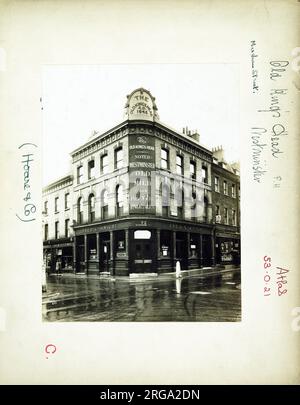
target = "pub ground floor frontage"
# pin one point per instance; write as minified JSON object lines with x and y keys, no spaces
{"x":129,"y":246}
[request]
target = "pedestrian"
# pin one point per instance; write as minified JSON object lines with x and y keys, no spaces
{"x":58,"y":267}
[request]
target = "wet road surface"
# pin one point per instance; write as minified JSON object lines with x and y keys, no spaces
{"x":196,"y":298}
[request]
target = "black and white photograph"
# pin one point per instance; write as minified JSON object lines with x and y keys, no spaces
{"x":149,"y":167}
{"x":141,"y":210}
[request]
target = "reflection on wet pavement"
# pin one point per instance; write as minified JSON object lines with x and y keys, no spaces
{"x":208,"y":299}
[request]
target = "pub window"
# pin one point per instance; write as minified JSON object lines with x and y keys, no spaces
{"x":67,"y":223}
{"x":179,"y":164}
{"x":226,"y":216}
{"x":91,"y":169}
{"x":79,"y":174}
{"x":104,"y":204}
{"x":80,"y":210}
{"x":119,"y":199}
{"x":67,"y":201}
{"x":233,"y":190}
{"x":104,"y":164}
{"x":193,"y":169}
{"x":92,"y":207}
{"x":56,"y":204}
{"x":204,"y":174}
{"x":233,"y":215}
{"x":46,"y":207}
{"x":46,"y":230}
{"x":225,"y":187}
{"x":118,"y":158}
{"x":164,"y":158}
{"x":56,"y":230}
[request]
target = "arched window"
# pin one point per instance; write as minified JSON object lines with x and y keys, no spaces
{"x":104,"y":204}
{"x":80,"y":210}
{"x":119,"y":199}
{"x":91,"y":207}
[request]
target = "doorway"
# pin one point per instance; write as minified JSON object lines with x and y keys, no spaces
{"x":104,"y":261}
{"x":142,"y":251}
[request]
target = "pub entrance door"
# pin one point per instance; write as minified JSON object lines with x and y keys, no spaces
{"x":104,"y":255}
{"x":142,"y":252}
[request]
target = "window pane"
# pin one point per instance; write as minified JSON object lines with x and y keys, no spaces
{"x":79,"y":174}
{"x":119,"y":158}
{"x":142,"y":234}
{"x":105,"y":198}
{"x":91,"y":169}
{"x":164,"y":154}
{"x":192,"y":168}
{"x":225,"y":187}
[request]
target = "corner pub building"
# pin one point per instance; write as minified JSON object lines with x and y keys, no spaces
{"x":138,"y":200}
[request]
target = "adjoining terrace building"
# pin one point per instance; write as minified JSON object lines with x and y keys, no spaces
{"x":141,"y":197}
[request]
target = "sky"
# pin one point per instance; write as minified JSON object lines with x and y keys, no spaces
{"x":78,"y":99}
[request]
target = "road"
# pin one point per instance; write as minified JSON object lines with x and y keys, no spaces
{"x":214,"y":298}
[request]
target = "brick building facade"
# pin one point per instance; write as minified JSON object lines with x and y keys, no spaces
{"x":140,"y":197}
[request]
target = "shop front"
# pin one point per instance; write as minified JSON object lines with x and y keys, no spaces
{"x":58,"y":256}
{"x":227,"y":248}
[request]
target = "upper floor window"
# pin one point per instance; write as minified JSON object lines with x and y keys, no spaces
{"x":104,"y":204}
{"x":180,"y":202}
{"x":46,"y":232}
{"x":46,"y":207}
{"x":79,"y":174}
{"x":205,"y":209}
{"x":218,"y":215}
{"x":217,"y":184}
{"x":104,"y":164}
{"x":164,"y":158}
{"x":225,"y":187}
{"x":56,"y":204}
{"x":56,"y":230}
{"x":91,"y":169}
{"x":204,"y":174}
{"x":80,"y":210}
{"x":226,"y":216}
{"x":119,"y":158}
{"x":67,"y":201}
{"x":233,"y":216}
{"x":92,"y":207}
{"x":165,"y":199}
{"x":67,"y":223}
{"x":194,"y":206}
{"x":193,"y":169}
{"x":233,"y":193}
{"x":179,"y":164}
{"x":119,"y":199}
